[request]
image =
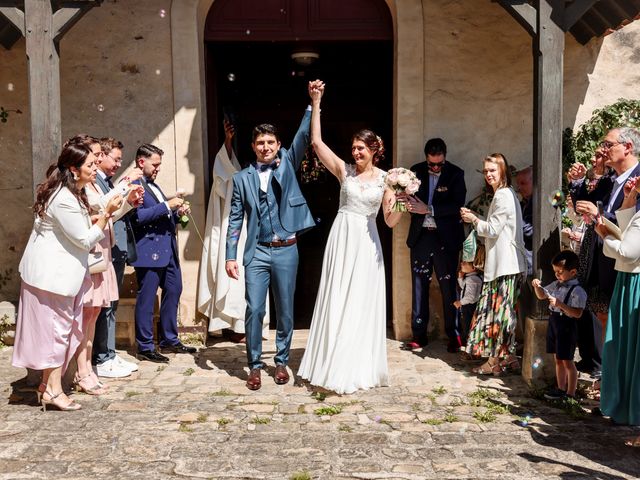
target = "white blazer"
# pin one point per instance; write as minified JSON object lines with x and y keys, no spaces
{"x":502,"y":231}
{"x":626,"y":252}
{"x":56,"y":256}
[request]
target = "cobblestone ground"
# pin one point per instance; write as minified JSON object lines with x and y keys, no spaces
{"x":195,"y":419}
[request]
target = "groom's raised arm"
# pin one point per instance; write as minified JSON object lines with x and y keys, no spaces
{"x":301,"y":141}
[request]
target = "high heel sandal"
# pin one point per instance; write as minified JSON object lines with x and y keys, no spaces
{"x":488,"y":368}
{"x":70,"y":407}
{"x":96,"y":389}
{"x":41,"y":389}
{"x":510,"y":365}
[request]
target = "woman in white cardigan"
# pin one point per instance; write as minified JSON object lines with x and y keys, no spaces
{"x":53,"y":270}
{"x":492,"y":332}
{"x":620,"y":387}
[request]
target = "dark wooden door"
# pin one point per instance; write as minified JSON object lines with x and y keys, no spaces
{"x":257,"y":82}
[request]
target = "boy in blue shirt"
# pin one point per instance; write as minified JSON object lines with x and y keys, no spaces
{"x":567,"y":300}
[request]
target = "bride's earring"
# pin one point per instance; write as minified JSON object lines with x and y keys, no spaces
{"x":75,"y":177}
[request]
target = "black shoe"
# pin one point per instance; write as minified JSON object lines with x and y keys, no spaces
{"x":152,"y":356}
{"x":555,"y":394}
{"x":178,"y":348}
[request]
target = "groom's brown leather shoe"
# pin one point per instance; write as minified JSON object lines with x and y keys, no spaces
{"x":282,"y":376}
{"x":254,"y":382}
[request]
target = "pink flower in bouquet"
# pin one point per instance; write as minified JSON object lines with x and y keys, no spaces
{"x":413,"y":187}
{"x":404,"y":179}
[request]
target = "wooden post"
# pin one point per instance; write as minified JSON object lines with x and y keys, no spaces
{"x":44,"y":86}
{"x":548,"y":51}
{"x":43,"y":29}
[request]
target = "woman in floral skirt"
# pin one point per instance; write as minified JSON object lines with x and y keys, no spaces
{"x":492,"y":332}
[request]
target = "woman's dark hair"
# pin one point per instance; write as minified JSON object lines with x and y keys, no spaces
{"x":373,"y":143}
{"x":74,"y":154}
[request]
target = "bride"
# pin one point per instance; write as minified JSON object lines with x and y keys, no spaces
{"x":346,"y":349}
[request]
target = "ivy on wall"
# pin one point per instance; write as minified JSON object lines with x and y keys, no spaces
{"x":581,"y":145}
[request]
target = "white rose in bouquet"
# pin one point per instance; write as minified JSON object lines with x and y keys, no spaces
{"x":402,"y":180}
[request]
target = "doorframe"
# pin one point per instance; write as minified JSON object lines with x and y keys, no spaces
{"x":188,"y":18}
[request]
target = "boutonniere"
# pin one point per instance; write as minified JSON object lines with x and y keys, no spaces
{"x":441,"y":189}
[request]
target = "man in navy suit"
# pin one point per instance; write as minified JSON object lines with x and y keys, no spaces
{"x":108,"y":363}
{"x":435,"y":239}
{"x":267,"y":194}
{"x":157,"y":265}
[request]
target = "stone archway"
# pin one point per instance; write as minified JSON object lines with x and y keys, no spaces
{"x":187,"y":40}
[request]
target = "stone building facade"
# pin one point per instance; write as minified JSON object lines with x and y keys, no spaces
{"x":135,"y":70}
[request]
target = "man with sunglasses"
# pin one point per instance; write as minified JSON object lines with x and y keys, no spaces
{"x":435,"y":239}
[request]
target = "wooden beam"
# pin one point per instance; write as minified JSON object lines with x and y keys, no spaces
{"x":575,"y":11}
{"x":548,"y":51}
{"x":522,"y":12}
{"x":15,"y":16}
{"x":44,"y":86}
{"x":65,"y":18}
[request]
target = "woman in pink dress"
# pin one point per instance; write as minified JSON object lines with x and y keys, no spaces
{"x":53,"y":269}
{"x":102,"y":287}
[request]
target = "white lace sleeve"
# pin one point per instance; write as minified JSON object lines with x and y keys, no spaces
{"x":349,"y":171}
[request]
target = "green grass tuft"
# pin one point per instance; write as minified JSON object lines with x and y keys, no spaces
{"x":328,"y":410}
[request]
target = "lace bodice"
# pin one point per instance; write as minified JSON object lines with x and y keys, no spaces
{"x":361,"y":198}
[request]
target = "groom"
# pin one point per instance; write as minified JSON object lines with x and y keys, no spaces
{"x":268,"y":194}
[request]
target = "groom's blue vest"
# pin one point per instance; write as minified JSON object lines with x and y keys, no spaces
{"x":270,"y":216}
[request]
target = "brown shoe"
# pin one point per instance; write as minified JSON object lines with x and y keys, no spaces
{"x":282,"y":376}
{"x":254,"y":382}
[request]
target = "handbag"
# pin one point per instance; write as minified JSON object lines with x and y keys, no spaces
{"x":97,"y":262}
{"x":469,"y":247}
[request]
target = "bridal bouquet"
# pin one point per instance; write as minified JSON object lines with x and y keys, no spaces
{"x":402,"y":180}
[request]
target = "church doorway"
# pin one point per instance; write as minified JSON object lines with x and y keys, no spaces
{"x":259,"y":57}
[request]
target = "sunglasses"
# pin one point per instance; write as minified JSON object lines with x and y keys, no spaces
{"x":435,"y":164}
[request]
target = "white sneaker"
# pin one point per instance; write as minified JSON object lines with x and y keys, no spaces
{"x":133,"y":367}
{"x":111,"y":369}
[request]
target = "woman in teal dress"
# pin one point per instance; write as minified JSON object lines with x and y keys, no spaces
{"x":620,"y":389}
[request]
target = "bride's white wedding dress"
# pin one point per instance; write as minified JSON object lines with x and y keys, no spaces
{"x":346,"y":349}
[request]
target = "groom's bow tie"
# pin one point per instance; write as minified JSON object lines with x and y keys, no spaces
{"x":263,"y":167}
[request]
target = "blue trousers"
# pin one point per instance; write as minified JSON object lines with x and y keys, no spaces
{"x":104,"y":341}
{"x":169,"y":279}
{"x":276,"y":267}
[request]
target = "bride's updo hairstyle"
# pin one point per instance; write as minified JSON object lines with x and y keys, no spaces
{"x":373,"y":143}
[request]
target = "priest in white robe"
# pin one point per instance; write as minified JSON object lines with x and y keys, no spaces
{"x":220,"y":298}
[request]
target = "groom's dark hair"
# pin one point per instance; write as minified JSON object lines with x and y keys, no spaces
{"x":264,"y":129}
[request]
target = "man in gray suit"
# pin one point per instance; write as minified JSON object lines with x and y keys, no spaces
{"x":268,"y":195}
{"x":108,"y":363}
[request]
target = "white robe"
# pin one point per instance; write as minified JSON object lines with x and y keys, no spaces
{"x":221,"y":298}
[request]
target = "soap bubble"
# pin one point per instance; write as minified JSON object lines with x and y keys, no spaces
{"x":162,"y":13}
{"x":155,"y":257}
{"x":556,"y":198}
{"x":537,"y":362}
{"x":157,"y":71}
{"x":10,"y":87}
{"x":101,"y":108}
{"x":231,"y":77}
{"x":248,"y":32}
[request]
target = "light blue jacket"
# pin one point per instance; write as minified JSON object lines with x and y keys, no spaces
{"x":295,"y":216}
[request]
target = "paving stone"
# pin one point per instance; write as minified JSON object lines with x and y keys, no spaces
{"x":161,"y":423}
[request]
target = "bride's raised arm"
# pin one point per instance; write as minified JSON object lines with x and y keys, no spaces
{"x":330,"y":160}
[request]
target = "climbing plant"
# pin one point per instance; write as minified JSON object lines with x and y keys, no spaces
{"x":580,"y":146}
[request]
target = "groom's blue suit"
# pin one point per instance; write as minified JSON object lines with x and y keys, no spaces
{"x":266,"y":265}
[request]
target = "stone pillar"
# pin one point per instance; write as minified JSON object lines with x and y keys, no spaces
{"x":537,"y":365}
